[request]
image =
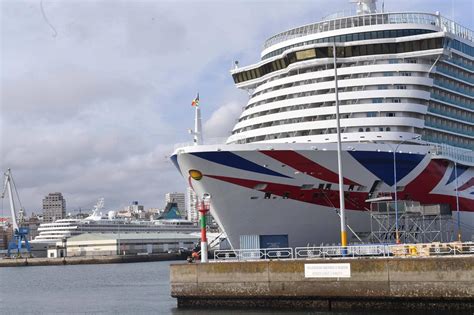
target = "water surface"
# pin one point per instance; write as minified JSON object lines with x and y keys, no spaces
{"x":135,"y":288}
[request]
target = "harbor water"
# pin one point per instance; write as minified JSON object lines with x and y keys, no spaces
{"x":136,"y":288}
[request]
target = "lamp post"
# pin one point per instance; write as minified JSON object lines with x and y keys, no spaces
{"x":457,"y":200}
{"x":339,"y":157}
{"x":457,"y":192}
{"x":397,"y":234}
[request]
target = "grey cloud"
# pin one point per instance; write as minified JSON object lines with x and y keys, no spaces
{"x":222,"y":121}
{"x":65,"y":91}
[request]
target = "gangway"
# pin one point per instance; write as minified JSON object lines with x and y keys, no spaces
{"x":20,"y":233}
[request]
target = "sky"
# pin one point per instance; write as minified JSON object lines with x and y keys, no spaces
{"x":94,"y":95}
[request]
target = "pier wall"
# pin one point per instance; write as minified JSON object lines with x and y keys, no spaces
{"x":376,"y":283}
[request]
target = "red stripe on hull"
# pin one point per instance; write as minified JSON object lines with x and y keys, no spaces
{"x":467,"y":185}
{"x":420,"y":188}
{"x":323,"y":197}
{"x":307,"y":166}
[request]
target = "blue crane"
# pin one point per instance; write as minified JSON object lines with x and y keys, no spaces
{"x":20,"y":233}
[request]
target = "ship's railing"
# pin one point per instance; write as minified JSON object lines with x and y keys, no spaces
{"x":373,"y":19}
{"x":353,"y":251}
{"x":457,"y":154}
{"x":209,"y":141}
{"x":254,"y":254}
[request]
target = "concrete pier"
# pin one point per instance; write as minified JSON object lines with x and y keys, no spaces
{"x":440,"y":283}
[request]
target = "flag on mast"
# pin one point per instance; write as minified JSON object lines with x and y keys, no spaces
{"x":195,"y":101}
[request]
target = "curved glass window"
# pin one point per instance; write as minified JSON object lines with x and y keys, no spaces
{"x":352,"y":37}
{"x":342,"y":52}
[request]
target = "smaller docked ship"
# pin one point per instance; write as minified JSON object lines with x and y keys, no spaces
{"x":169,"y":221}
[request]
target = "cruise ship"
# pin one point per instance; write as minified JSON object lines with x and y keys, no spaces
{"x":56,"y":231}
{"x":405,"y":105}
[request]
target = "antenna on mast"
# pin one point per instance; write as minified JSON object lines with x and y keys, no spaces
{"x":197,"y":132}
{"x":365,"y":6}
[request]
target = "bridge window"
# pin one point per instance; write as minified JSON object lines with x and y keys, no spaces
{"x":349,"y":51}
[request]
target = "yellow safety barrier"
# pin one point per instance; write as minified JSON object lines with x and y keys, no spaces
{"x":412,"y":250}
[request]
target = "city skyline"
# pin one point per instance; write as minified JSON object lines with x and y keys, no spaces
{"x":96,"y":94}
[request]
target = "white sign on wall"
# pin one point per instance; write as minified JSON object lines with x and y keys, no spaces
{"x":341,"y":270}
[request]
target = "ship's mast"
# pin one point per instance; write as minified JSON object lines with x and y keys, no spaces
{"x":197,"y":127}
{"x":197,"y":132}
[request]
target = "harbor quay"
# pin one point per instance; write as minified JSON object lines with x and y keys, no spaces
{"x":382,"y":283}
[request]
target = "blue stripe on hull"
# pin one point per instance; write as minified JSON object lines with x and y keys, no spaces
{"x":381,"y":164}
{"x":233,"y":160}
{"x":460,"y":169}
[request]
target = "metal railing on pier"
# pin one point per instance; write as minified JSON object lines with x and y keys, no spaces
{"x":254,"y":254}
{"x":339,"y":251}
{"x":353,"y":251}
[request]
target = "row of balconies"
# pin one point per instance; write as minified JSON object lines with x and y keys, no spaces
{"x":303,"y":106}
{"x":451,"y":100}
{"x":456,"y":87}
{"x":457,"y":74}
{"x":463,"y":63}
{"x":439,"y":137}
{"x":326,"y":117}
{"x":324,"y":135}
{"x":463,"y":131}
{"x":451,"y":113}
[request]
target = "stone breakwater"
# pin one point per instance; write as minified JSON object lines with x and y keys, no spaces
{"x":18,"y":262}
{"x":437,"y":283}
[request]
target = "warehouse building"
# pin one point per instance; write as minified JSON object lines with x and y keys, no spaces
{"x":96,"y":244}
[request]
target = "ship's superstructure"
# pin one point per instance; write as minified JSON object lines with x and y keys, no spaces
{"x":401,"y":75}
{"x":406,"y":102}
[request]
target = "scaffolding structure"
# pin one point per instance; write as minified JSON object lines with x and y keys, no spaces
{"x":416,"y":223}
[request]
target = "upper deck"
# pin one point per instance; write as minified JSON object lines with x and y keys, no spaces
{"x":354,"y":21}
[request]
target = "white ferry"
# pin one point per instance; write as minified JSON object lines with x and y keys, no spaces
{"x":97,"y":223}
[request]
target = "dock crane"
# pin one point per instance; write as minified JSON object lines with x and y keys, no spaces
{"x":19,"y":233}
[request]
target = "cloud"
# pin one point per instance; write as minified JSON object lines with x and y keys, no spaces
{"x":221,"y":122}
{"x":65,"y":92}
{"x":94,"y":111}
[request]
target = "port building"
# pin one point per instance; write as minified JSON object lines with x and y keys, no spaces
{"x":54,"y":207}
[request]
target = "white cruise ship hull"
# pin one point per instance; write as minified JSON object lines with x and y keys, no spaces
{"x":292,"y":189}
